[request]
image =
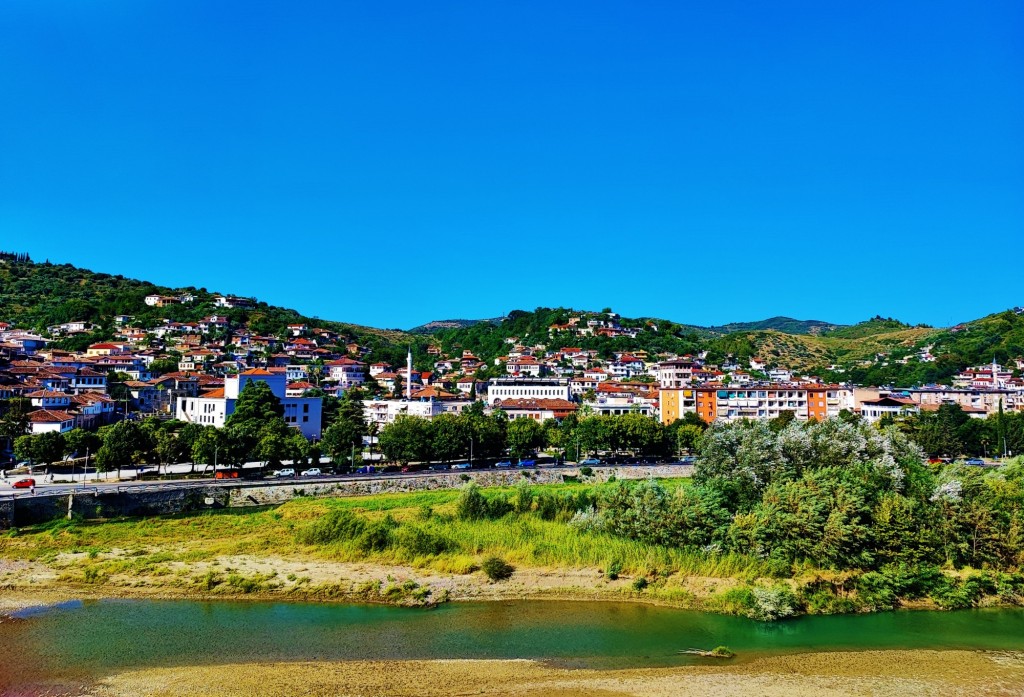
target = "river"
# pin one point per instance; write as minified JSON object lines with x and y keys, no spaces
{"x":78,"y":641}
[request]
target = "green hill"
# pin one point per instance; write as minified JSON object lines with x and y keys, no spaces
{"x":38,"y":295}
{"x":786,"y":325}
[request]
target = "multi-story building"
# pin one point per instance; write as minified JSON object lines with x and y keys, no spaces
{"x":675,"y":373}
{"x":384,"y":411}
{"x":719,"y":403}
{"x":501,"y":389}
{"x":347,"y":372}
{"x":214,"y":407}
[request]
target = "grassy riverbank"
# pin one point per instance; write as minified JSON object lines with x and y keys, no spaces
{"x":415,"y":548}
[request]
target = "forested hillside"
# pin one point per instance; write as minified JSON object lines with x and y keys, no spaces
{"x":488,"y":341}
{"x":878,"y":351}
{"x":39,"y":295}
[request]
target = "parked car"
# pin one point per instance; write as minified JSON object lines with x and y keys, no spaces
{"x":976,"y":461}
{"x":461,"y":466}
{"x":226,"y":474}
{"x":590,"y":461}
{"x":312,"y":472}
{"x":503,"y":464}
{"x":688,"y":460}
{"x":366,"y":469}
{"x":286,"y":472}
{"x":26,"y":483}
{"x":527,"y":463}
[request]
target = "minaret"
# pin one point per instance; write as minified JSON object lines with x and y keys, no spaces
{"x":408,"y":376}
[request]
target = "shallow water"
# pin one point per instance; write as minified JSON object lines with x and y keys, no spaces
{"x":81,"y":640}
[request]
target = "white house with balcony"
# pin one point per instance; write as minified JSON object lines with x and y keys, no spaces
{"x":347,"y":372}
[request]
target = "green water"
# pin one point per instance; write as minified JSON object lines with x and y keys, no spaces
{"x":82,"y":640}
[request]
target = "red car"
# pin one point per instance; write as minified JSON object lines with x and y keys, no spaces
{"x":26,"y":483}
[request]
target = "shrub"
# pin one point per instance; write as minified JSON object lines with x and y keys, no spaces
{"x":722,"y":652}
{"x":93,"y":575}
{"x":640,"y":583}
{"x":473,"y":505}
{"x":378,"y":536}
{"x":334,"y":526}
{"x":613,"y":569}
{"x":421,"y":543}
{"x":497,"y":569}
{"x":586,"y":471}
{"x":523,"y":500}
{"x":210,"y":580}
{"x":771,"y":604}
{"x":589,"y":520}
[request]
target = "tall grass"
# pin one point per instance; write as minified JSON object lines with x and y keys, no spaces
{"x":423,"y":531}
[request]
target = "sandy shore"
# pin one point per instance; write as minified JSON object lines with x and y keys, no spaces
{"x":875,"y":673}
{"x":38,"y":583}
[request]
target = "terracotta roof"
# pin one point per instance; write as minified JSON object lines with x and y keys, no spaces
{"x":538,"y":404}
{"x":257,"y":371}
{"x":45,"y":416}
{"x":213,"y":394}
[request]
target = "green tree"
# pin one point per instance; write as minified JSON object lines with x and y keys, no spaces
{"x":124,"y":445}
{"x":406,"y":439}
{"x":256,"y":402}
{"x":78,"y":442}
{"x":450,"y":435}
{"x":523,"y":436}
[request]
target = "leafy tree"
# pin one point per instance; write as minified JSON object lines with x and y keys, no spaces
{"x":207,"y":445}
{"x":450,"y":436}
{"x":256,"y":402}
{"x":406,"y":439}
{"x":43,"y":449}
{"x":523,"y":435}
{"x":124,"y":445}
{"x":78,"y":442}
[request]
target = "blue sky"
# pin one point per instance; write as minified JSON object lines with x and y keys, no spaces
{"x":393,"y":163}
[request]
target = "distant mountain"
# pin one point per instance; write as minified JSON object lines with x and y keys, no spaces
{"x":438,"y":325}
{"x":786,"y":325}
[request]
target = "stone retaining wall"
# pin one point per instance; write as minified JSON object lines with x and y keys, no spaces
{"x":134,"y":501}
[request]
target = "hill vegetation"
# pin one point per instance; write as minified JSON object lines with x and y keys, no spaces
{"x":786,"y":325}
{"x":877,"y":351}
{"x":40,"y":295}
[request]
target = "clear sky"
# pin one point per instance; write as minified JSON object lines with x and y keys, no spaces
{"x":390,"y":163}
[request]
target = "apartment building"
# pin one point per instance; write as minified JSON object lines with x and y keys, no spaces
{"x":719,"y":403}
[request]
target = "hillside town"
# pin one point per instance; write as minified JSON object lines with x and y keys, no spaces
{"x":194,"y":372}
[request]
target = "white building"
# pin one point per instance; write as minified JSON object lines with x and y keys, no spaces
{"x":45,"y":421}
{"x":384,"y":411}
{"x":214,"y":407}
{"x":676,"y":373}
{"x":501,"y":389}
{"x":347,"y":372}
